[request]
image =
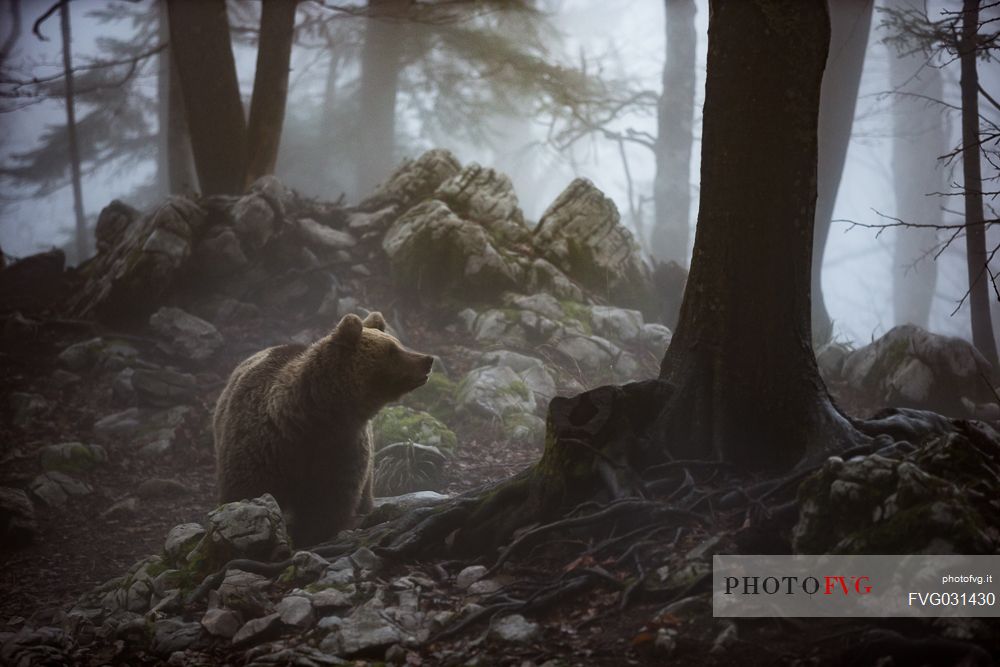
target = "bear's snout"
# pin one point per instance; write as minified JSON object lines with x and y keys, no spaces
{"x":428,"y":362}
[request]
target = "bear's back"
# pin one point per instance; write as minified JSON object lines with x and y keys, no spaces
{"x":244,"y":444}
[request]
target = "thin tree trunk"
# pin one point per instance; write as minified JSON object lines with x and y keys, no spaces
{"x":919,"y":138}
{"x":74,"y":151}
{"x":270,"y":87}
{"x":380,"y":63}
{"x":747,"y":386}
{"x":672,"y":184}
{"x":850,"y":23}
{"x":975,"y":231}
{"x":199,"y":39}
{"x":175,"y":164}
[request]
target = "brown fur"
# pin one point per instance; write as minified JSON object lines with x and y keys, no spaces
{"x":293,"y":422}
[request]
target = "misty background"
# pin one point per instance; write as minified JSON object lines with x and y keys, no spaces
{"x":620,"y":41}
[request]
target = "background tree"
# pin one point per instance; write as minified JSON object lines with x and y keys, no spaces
{"x":672,"y":184}
{"x":199,"y":35}
{"x":919,"y":138}
{"x":74,"y":148}
{"x":957,"y":36}
{"x":850,"y":23}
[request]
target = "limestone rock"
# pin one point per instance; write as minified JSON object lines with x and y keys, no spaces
{"x":221,"y":622}
{"x":97,"y":353}
{"x":433,"y":251}
{"x":191,"y":336}
{"x":252,"y":529}
{"x":27,"y":407}
{"x":581,"y":233}
{"x":162,"y":387}
{"x":324,"y":238}
{"x":910,"y":367}
{"x":515,"y":629}
{"x":55,"y":488}
{"x":494,"y":391}
{"x":257,"y":630}
{"x":486,"y":196}
{"x":181,"y":539}
{"x":131,"y":275}
{"x":413,"y":181}
{"x":619,"y":324}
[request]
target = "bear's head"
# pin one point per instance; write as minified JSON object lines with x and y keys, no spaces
{"x":374,"y":366}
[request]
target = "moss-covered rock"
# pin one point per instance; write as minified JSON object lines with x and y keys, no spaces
{"x":905,"y":499}
{"x":399,"y":423}
{"x":436,"y":397}
{"x":71,"y":456}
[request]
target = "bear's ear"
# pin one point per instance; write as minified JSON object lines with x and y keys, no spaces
{"x":375,"y":321}
{"x":348,"y":332}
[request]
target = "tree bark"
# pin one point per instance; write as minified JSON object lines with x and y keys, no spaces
{"x":199,"y":39}
{"x":975,"y":230}
{"x":82,"y":245}
{"x":747,"y":386}
{"x":380,"y":63}
{"x":850,"y":23}
{"x":270,"y":87}
{"x":672,"y":184}
{"x":920,"y":137}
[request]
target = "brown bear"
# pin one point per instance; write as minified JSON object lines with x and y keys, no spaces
{"x":293,"y":422}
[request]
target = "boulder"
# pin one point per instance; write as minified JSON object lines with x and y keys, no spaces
{"x":911,"y":367}
{"x":398,"y":423}
{"x":515,"y":629}
{"x":932,"y":499}
{"x":486,"y":196}
{"x":532,"y":371}
{"x":581,"y":233}
{"x":97,"y":354}
{"x":324,"y":238}
{"x":162,"y":387}
{"x":618,"y":324}
{"x":190,"y":336}
{"x":493,"y":392}
{"x":55,"y":488}
{"x":130,"y":276}
{"x":71,"y":456}
{"x":433,"y":251}
{"x":252,"y":529}
{"x":413,"y":181}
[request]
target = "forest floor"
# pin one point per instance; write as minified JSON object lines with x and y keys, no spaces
{"x":87,"y":542}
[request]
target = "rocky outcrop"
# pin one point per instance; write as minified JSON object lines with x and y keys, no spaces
{"x":913,"y":368}
{"x":581,"y":232}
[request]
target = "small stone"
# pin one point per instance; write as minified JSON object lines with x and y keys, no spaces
{"x":119,"y":424}
{"x":170,"y":635}
{"x":484,"y":587}
{"x":726,"y":638}
{"x":55,"y":488}
{"x":162,"y":387}
{"x":296,"y":611}
{"x":181,"y":539}
{"x":221,"y":622}
{"x":63,"y":379}
{"x":258,"y":629}
{"x":469,"y":576}
{"x":366,"y":559}
{"x":666,"y":642}
{"x":515,"y":629}
{"x":121,"y":386}
{"x":329,"y":598}
{"x":323,"y":237}
{"x":71,"y":456}
{"x":308,"y":566}
{"x":361,"y":270}
{"x":190,"y":335}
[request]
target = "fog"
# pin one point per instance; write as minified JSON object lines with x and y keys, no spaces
{"x":621,"y":40}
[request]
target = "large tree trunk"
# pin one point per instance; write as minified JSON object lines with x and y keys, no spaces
{"x":174,"y":165}
{"x":747,"y":387}
{"x":270,"y":87}
{"x":672,"y":184}
{"x":850,"y":22}
{"x":199,"y":39}
{"x":380,"y":63}
{"x":975,"y":230}
{"x":82,"y":244}
{"x":920,"y":137}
